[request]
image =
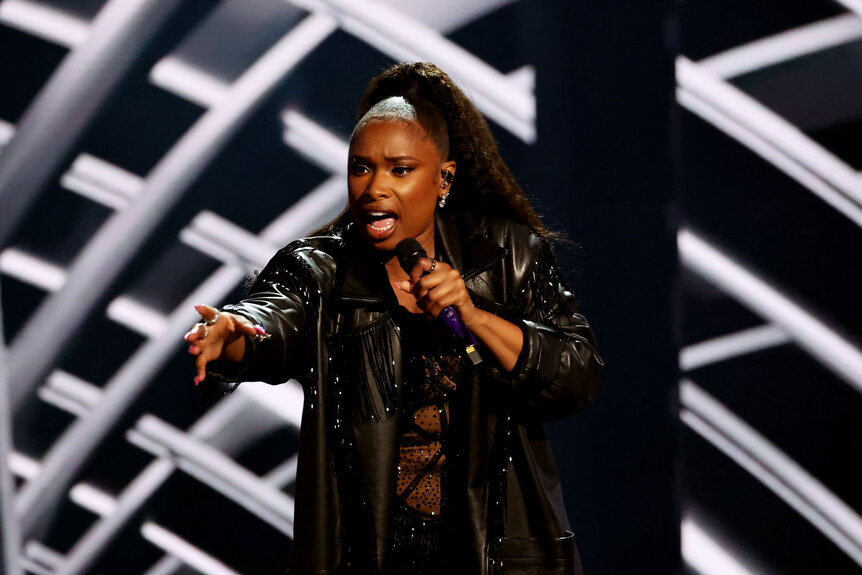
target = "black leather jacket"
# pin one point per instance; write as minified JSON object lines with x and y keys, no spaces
{"x":327,"y":305}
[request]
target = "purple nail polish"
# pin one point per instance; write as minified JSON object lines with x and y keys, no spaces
{"x":259,"y":330}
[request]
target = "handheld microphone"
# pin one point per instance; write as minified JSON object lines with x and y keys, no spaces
{"x":409,"y":252}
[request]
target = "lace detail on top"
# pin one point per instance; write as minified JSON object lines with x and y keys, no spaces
{"x":420,"y":530}
{"x":421,"y":457}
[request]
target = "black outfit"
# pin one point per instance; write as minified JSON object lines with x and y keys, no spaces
{"x":331,"y":318}
{"x":421,"y":535}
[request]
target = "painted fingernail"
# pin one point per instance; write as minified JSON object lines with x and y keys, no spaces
{"x":193,"y":349}
{"x":197,"y":379}
{"x":259,"y":329}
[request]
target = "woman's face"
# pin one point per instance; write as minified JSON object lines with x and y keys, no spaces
{"x":393,"y":181}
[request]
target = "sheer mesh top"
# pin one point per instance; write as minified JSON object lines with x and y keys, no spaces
{"x":432,"y":369}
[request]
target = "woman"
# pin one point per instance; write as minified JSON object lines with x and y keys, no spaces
{"x":412,"y":459}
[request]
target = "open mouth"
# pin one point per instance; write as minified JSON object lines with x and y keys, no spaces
{"x":379,"y":224}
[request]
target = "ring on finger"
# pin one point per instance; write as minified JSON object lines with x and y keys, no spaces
{"x":433,"y":265}
{"x":211,"y":321}
{"x":206,"y":330}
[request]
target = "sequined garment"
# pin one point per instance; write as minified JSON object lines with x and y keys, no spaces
{"x":420,"y":527}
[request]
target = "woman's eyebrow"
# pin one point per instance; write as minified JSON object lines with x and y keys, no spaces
{"x":400,"y":158}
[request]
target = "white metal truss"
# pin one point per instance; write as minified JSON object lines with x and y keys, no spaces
{"x":506,"y":98}
{"x":215,"y":469}
{"x":785,"y":46}
{"x":703,"y":88}
{"x":706,"y":555}
{"x":770,"y":136}
{"x":769,"y":465}
{"x":852,"y":5}
{"x":229,"y":414}
{"x":44,"y":21}
{"x":813,"y":335}
{"x":317,"y":207}
{"x":727,"y":431}
{"x":732,"y":345}
{"x":183,"y":550}
{"x":10,"y":540}
{"x":77,"y":90}
{"x":405,"y":38}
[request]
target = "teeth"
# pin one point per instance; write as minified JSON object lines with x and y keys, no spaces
{"x":377,"y":214}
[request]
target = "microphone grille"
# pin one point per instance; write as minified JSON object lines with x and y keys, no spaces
{"x":409,"y":252}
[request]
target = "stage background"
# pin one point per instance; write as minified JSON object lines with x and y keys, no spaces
{"x":703,"y":158}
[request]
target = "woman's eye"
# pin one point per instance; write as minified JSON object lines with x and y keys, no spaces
{"x":358,"y":169}
{"x":402,"y":170}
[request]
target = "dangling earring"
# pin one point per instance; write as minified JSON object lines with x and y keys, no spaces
{"x":447,"y":177}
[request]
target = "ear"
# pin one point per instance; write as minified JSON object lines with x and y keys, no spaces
{"x":448,"y":167}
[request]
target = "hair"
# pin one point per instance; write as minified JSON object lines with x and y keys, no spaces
{"x":398,"y":109}
{"x":483,"y":183}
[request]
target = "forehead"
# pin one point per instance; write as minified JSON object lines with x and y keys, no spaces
{"x":392,"y":138}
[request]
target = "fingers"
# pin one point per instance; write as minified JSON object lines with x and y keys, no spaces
{"x":204,"y":349}
{"x":214,"y":337}
{"x":442,"y":277}
{"x":439,"y":289}
{"x":210,"y":322}
{"x":201,"y":366}
{"x":206,"y":312}
{"x":197,"y":332}
{"x":422,"y":266}
{"x":203,"y":344}
{"x":247,"y":328}
{"x":442,"y":296}
{"x":404,"y":286}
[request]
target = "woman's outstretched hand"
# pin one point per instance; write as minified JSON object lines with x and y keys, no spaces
{"x":219,"y":335}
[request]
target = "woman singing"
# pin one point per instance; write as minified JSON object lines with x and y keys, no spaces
{"x":412,"y":459}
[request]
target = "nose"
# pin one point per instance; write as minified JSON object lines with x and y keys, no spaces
{"x":377,"y":186}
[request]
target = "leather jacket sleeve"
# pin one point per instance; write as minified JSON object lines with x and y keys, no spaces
{"x":279,"y":300}
{"x":559,"y":369}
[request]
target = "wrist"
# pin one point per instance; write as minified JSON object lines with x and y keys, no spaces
{"x":474,"y":320}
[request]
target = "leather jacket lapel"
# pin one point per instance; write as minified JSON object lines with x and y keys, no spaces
{"x":364,"y":281}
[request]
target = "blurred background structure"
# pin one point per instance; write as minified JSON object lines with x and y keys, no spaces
{"x":703,"y":156}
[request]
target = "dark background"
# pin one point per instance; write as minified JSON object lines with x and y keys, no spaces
{"x":602,"y":173}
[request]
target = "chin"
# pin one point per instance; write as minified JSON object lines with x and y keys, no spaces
{"x":385,"y":245}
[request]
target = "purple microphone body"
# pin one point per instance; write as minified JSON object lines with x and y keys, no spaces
{"x":409,"y":252}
